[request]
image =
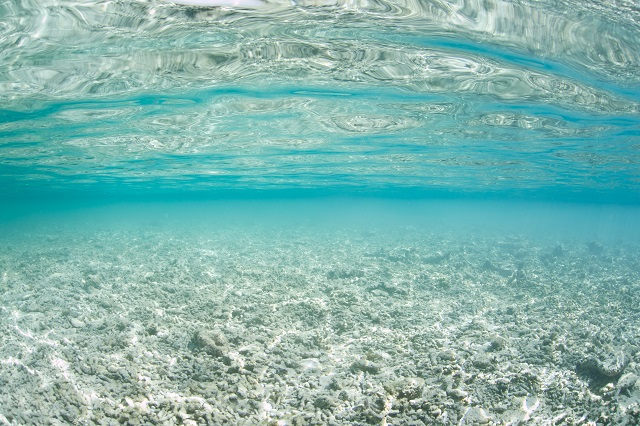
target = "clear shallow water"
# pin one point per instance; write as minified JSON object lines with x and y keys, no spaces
{"x":354,"y":212}
{"x":517,"y":98}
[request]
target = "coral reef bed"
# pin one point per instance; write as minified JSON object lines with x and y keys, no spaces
{"x":302,"y":326}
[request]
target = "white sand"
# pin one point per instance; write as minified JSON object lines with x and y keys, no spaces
{"x":258,"y":324}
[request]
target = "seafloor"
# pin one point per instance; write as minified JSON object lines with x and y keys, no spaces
{"x":307,"y":325}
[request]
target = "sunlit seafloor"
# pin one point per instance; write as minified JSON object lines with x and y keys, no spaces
{"x":319,"y":212}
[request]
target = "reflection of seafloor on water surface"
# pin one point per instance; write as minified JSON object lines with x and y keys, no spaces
{"x":348,"y":94}
{"x":258,"y":325}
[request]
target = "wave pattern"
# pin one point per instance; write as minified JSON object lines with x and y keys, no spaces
{"x":459,"y":94}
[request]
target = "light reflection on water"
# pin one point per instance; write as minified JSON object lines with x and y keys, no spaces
{"x":465,"y":95}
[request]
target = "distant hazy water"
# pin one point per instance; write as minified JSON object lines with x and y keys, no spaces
{"x":413,"y":98}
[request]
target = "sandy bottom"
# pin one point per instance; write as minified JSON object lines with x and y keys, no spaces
{"x":265,"y":326}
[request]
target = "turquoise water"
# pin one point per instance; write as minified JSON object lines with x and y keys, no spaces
{"x":320,"y":212}
{"x":522,"y":99}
